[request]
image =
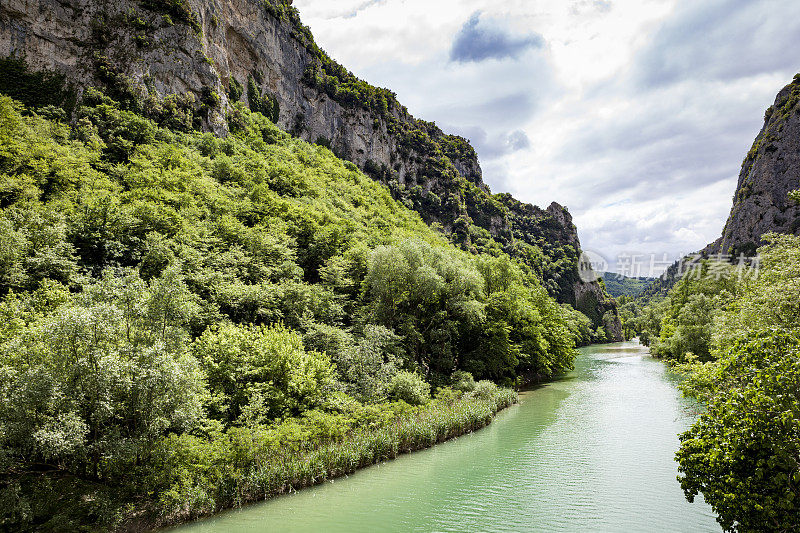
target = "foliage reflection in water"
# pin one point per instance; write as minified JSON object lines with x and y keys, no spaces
{"x":591,"y":451}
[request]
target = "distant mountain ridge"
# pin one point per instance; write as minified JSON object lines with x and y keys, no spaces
{"x":617,"y":285}
{"x":185,"y":62}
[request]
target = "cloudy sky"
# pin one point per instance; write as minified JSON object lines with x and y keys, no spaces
{"x":635,"y":114}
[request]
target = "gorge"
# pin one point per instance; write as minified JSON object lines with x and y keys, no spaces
{"x":233,"y":271}
{"x":203,"y":55}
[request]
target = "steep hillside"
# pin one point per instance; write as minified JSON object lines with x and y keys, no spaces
{"x":761,"y":203}
{"x":770,"y":171}
{"x":186,"y":315}
{"x":183,"y":63}
{"x":617,"y":285}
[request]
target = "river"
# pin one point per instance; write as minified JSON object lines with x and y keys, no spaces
{"x":593,"y":451}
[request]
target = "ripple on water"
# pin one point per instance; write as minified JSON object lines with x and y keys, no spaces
{"x":591,"y":452}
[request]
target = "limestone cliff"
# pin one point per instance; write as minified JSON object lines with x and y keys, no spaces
{"x":761,"y":204}
{"x":769,"y":172}
{"x":188,"y":62}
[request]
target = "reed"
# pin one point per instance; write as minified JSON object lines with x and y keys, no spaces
{"x":259,"y":472}
{"x":440,"y":420}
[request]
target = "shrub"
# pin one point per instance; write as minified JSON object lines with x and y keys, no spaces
{"x":235,"y":90}
{"x":484,"y":389}
{"x":410,"y":388}
{"x":258,"y":373}
{"x":462,"y":381}
{"x":34,"y":89}
{"x":267,"y":104}
{"x":175,"y":9}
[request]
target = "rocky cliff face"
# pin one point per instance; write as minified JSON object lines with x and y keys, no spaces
{"x":769,"y":172}
{"x":761,"y":204}
{"x":553,"y":232}
{"x":189,"y":62}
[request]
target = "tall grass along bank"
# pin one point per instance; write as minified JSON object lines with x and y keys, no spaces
{"x":243,"y":466}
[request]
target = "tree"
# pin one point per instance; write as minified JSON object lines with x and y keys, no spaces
{"x":770,"y":296}
{"x":90,"y":386}
{"x":258,"y":373}
{"x":410,"y":388}
{"x":743,"y":454}
{"x":682,"y":324}
{"x":427,"y":295}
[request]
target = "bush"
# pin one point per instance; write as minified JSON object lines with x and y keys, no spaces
{"x":742,"y":454}
{"x":257,"y":228}
{"x":235,"y":90}
{"x":258,"y":373}
{"x":410,"y":388}
{"x":267,"y":104}
{"x":462,"y":381}
{"x":91,"y":386}
{"x":484,"y":389}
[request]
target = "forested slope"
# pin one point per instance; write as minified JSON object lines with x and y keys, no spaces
{"x":617,"y":285}
{"x":186,"y":63}
{"x":184,"y":316}
{"x":732,"y":325}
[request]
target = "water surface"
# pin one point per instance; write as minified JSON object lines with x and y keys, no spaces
{"x":593,"y":451}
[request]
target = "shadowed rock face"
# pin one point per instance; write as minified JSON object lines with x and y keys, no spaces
{"x":769,"y":172}
{"x":206,"y":53}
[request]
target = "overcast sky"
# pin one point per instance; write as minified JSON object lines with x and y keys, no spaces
{"x":635,"y":114}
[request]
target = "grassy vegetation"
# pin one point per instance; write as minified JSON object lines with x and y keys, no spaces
{"x":253,"y":465}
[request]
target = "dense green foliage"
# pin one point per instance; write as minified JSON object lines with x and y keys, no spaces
{"x":267,"y":104}
{"x":737,"y":334}
{"x":35,"y":89}
{"x":743,"y":454}
{"x":445,"y":185}
{"x":679,"y":326}
{"x":631,"y":318}
{"x":205,"y":474}
{"x":617,"y":285}
{"x":185,"y":317}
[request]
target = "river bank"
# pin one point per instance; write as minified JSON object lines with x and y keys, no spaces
{"x":592,"y":450}
{"x":257,"y":474}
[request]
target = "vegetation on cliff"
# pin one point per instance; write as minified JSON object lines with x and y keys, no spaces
{"x":174,"y":304}
{"x":138,"y":51}
{"x":617,"y":285}
{"x":769,"y":172}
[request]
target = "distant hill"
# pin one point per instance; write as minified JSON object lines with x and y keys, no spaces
{"x":617,"y":285}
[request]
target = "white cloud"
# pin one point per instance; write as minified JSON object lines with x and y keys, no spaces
{"x":638,"y":113}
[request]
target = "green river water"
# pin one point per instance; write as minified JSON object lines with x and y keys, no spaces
{"x":592,"y":451}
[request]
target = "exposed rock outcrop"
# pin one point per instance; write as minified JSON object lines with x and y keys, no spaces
{"x":188,"y":62}
{"x":761,"y":203}
{"x":769,"y":172}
